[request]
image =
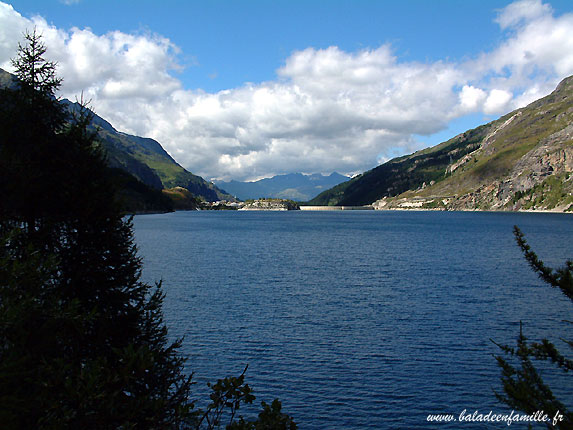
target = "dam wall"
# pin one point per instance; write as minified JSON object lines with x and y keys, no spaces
{"x":337,"y":208}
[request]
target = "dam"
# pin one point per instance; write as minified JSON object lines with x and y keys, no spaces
{"x":337,"y":208}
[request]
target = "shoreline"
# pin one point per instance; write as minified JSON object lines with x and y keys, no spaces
{"x":414,"y":209}
{"x":361,"y":209}
{"x":475,"y":210}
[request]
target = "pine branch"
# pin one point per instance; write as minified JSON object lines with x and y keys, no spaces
{"x":561,"y":278}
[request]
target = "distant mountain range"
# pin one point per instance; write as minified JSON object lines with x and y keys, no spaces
{"x":522,"y":161}
{"x":293,"y":186}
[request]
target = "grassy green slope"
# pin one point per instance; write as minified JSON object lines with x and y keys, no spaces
{"x":147,"y":160}
{"x":133,"y":195}
{"x":403,"y":173}
{"x":528,"y":127}
{"x":149,"y":153}
{"x":136,"y":197}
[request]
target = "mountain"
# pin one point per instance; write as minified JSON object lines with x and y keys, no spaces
{"x":143,"y":158}
{"x":7,"y":80}
{"x":137,"y":197}
{"x":146,"y":159}
{"x":133,"y":195}
{"x":293,"y":186}
{"x":523,"y":160}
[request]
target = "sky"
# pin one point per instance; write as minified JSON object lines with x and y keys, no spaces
{"x":246,"y":89}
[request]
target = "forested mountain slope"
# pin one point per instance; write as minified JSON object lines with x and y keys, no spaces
{"x":143,"y":158}
{"x":146,"y":159}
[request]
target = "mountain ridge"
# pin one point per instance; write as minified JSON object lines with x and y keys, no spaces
{"x":521,"y":161}
{"x":142,"y":157}
{"x":293,"y":186}
{"x":148,"y":161}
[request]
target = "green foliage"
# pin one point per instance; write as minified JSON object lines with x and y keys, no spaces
{"x":228,"y":393}
{"x":227,"y":397}
{"x":181,"y":198}
{"x":434,"y":204}
{"x":271,"y":418}
{"x":551,"y":192}
{"x":36,"y":74}
{"x":136,"y":197}
{"x":523,"y":386}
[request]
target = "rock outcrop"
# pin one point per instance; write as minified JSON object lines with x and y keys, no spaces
{"x":270,"y":205}
{"x":523,"y":161}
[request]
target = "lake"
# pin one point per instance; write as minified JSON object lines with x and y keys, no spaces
{"x":358,"y":319}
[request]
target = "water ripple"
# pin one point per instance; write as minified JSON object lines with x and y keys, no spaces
{"x":355,"y":320}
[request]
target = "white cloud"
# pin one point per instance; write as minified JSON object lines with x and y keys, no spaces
{"x":522,"y":10}
{"x":327,"y":110}
{"x":12,"y":25}
{"x":113,"y":65}
{"x":471,"y":98}
{"x":497,"y":102}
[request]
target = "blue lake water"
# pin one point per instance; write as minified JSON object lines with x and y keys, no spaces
{"x":358,"y":319}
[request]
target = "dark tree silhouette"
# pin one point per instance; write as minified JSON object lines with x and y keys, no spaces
{"x":83,"y":344}
{"x":82,"y":340}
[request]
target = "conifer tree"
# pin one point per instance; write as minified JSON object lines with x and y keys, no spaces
{"x":523,"y":386}
{"x":83,"y":344}
{"x":82,"y":341}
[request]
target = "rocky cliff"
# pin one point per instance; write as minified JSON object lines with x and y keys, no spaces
{"x":270,"y":205}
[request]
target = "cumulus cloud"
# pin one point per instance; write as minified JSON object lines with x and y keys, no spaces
{"x":520,"y":11}
{"x":471,"y":98}
{"x":327,"y":109}
{"x":113,"y":65}
{"x":497,"y":101}
{"x":12,"y":25}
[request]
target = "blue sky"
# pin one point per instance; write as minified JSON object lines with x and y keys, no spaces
{"x":246,"y":41}
{"x":247,"y":89}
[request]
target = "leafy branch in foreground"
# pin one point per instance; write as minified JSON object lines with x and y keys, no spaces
{"x":523,"y":386}
{"x":226,"y":398}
